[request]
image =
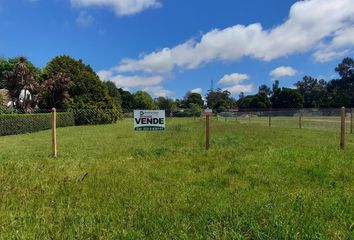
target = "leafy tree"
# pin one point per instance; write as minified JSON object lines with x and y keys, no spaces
{"x":346,"y":68}
{"x":258,"y":101}
{"x":275,"y":91}
{"x":181,"y":103}
{"x":218,"y":100}
{"x":5,"y":67}
{"x":232,"y":103}
{"x":241,"y":95}
{"x":288,"y":98}
{"x":23,"y":88}
{"x":335,"y":93}
{"x":55,"y":93}
{"x":8,"y":65}
{"x":265,"y":89}
{"x":195,"y":110}
{"x":128,"y":101}
{"x":166,"y":104}
{"x":143,"y":101}
{"x":314,"y":92}
{"x":193,"y":98}
{"x":341,"y":91}
{"x":113,"y":91}
{"x":86,"y":90}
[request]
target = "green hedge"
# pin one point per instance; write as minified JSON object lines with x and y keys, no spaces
{"x":11,"y":124}
{"x":95,"y":116}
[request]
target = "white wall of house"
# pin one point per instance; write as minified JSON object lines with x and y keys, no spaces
{"x":23,"y":95}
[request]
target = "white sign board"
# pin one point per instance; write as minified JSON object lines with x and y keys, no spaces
{"x":208,"y":112}
{"x":149,"y":120}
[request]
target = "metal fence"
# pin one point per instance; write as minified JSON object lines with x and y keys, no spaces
{"x":326,"y":119}
{"x":338,"y":120}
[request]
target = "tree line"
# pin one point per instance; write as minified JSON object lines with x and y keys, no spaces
{"x":66,"y":83}
{"x":307,"y":93}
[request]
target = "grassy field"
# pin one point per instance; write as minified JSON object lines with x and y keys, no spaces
{"x":112,"y":183}
{"x":325,"y":123}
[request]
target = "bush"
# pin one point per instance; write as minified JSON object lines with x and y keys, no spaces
{"x":93,"y":116}
{"x":7,"y":110}
{"x":194,"y":111}
{"x":182,"y":114}
{"x":11,"y":124}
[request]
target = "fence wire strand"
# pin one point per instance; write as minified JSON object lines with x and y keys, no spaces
{"x":319,"y":119}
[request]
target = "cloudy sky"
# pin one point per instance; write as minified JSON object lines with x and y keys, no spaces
{"x":169,"y":47}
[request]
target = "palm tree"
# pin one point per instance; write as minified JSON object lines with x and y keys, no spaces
{"x":21,"y":84}
{"x":57,"y":90}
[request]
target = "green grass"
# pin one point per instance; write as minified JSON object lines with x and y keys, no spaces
{"x":112,"y":183}
{"x":324,"y":123}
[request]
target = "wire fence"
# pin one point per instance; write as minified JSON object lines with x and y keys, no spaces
{"x":328,"y":119}
{"x":318,"y":119}
{"x":338,"y":120}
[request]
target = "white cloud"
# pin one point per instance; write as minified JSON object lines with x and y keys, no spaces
{"x":158,"y":91}
{"x":197,"y":90}
{"x":136,"y":81}
{"x":149,"y":84}
{"x":84,"y":19}
{"x":282,"y":72}
{"x":234,"y":78}
{"x":130,"y":81}
{"x":105,"y":74}
{"x":236,"y":89}
{"x":234,"y":83}
{"x":338,"y":47}
{"x":121,"y":7}
{"x":309,"y":24}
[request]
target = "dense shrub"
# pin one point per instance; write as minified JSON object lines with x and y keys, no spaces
{"x":86,"y":90}
{"x":194,"y":111}
{"x":183,"y":114}
{"x":6,"y":110}
{"x":95,"y":113}
{"x":11,"y":124}
{"x":95,"y":116}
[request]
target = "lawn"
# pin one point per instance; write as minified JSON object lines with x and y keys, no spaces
{"x":324,"y":123}
{"x":110,"y":182}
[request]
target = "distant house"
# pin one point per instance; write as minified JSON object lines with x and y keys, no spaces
{"x":5,"y":96}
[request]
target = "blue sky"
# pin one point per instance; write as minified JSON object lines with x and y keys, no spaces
{"x":169,"y":47}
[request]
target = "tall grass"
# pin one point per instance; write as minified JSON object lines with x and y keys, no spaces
{"x":110,"y":182}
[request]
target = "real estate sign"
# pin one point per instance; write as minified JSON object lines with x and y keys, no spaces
{"x":149,"y":120}
{"x":208,"y":112}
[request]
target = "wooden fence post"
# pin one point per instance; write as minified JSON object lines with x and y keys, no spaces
{"x":300,"y":119}
{"x":54,"y":132}
{"x":342,"y":128}
{"x":207,"y":132}
{"x":249,"y":118}
{"x":270,"y":118}
{"x":351,"y":120}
